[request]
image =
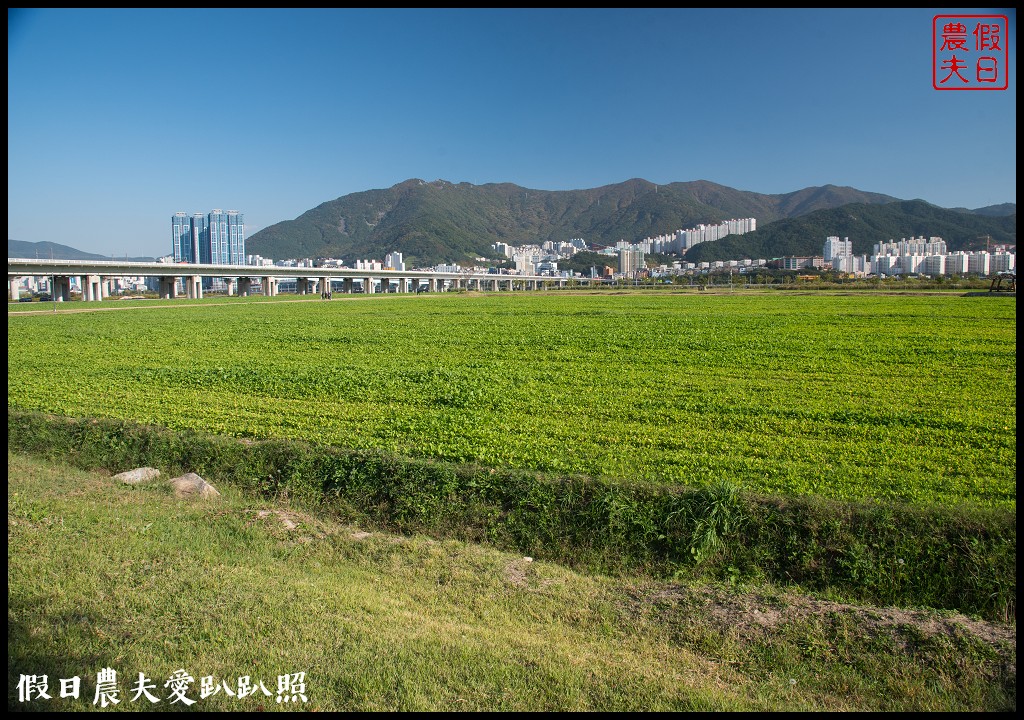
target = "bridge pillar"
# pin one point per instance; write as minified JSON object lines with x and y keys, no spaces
{"x":368,"y":285}
{"x":12,"y":285}
{"x":61,"y":290}
{"x":244,"y":286}
{"x":346,"y":286}
{"x":230,"y":283}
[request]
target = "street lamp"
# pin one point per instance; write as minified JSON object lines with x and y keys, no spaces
{"x":53,"y":285}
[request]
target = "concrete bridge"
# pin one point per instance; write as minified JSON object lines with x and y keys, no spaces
{"x":94,"y":278}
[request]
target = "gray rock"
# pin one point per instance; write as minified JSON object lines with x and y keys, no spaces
{"x":191,"y":485}
{"x":138,"y":475}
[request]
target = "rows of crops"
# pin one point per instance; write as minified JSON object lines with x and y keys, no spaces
{"x":892,"y":397}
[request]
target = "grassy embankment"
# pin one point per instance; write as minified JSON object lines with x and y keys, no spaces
{"x":102,"y":574}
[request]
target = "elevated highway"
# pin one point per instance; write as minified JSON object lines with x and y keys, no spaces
{"x":94,"y":278}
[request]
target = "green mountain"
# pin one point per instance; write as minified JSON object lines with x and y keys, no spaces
{"x":431,"y":222}
{"x":993,"y":210}
{"x":56,"y":251}
{"x":865,"y":225}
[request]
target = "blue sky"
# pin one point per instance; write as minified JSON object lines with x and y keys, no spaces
{"x":117,"y":119}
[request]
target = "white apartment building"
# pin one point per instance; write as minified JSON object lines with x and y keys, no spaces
{"x":913,"y":246}
{"x":525,"y":264}
{"x":631,"y":260}
{"x":394,"y":261}
{"x":933,"y":265}
{"x":1002,"y":262}
{"x":885,"y":264}
{"x":856,"y":265}
{"x":955,"y":264}
{"x":836,"y":248}
{"x":978,"y":263}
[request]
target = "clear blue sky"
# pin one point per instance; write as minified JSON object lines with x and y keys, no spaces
{"x":117,"y":119}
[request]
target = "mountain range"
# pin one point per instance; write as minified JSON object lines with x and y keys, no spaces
{"x":55,"y":251}
{"x":440,"y":221}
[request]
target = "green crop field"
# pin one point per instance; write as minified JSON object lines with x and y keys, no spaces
{"x":893,"y":397}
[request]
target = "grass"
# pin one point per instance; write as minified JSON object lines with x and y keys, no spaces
{"x":101,"y":574}
{"x":852,"y":397}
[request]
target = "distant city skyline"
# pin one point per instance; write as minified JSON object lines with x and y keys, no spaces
{"x":108,"y":119}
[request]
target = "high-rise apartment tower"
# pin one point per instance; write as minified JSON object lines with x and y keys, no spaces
{"x":217,"y":238}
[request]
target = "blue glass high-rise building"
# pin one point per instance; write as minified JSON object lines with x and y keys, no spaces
{"x":217,"y":238}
